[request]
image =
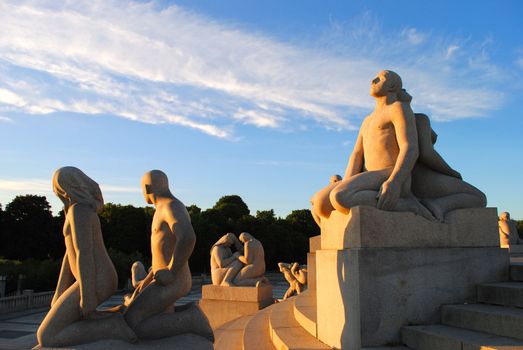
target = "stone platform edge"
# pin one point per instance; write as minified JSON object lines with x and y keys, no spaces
{"x":368,"y":227}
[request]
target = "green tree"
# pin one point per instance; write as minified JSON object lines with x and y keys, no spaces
{"x":29,"y":230}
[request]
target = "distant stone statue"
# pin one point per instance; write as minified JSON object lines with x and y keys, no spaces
{"x":253,"y":258}
{"x":87,"y":277}
{"x":508,"y":231}
{"x":151,"y":311}
{"x":224,"y":264}
{"x":394,"y":166}
{"x":296,"y":275}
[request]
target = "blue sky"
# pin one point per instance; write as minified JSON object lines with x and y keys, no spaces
{"x":257,"y":98}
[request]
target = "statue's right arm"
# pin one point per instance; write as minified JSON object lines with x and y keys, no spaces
{"x":355,"y":165}
{"x":220,"y":259}
{"x":65,"y":280}
{"x":248,"y":257}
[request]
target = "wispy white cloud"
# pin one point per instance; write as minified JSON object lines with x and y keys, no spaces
{"x":5,"y":119}
{"x":160,"y":65}
{"x":39,"y":186}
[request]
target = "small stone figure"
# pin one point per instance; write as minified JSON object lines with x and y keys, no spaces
{"x":224,"y":264}
{"x":296,"y":275}
{"x":508,"y":231}
{"x":254,"y":262}
{"x":87,"y":277}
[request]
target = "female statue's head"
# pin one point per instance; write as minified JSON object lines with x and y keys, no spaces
{"x":389,"y":82}
{"x":72,"y":186}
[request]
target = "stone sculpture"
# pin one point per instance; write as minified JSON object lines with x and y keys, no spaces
{"x":224,"y":264}
{"x":252,"y":273}
{"x":508,"y":231}
{"x":87,"y":276}
{"x":296,"y":275}
{"x":151,"y":311}
{"x":394,"y":166}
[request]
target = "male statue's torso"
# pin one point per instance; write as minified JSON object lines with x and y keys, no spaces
{"x":379,"y":140}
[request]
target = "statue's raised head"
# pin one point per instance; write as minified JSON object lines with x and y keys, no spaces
{"x":72,"y":186}
{"x":155,"y":182}
{"x":335,"y":178}
{"x":504,"y":216}
{"x":389,"y":82}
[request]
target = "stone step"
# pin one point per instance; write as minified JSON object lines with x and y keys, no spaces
{"x":229,"y":336}
{"x":504,"y":293}
{"x":516,"y":272}
{"x":438,"y":337}
{"x":305,"y":311}
{"x":286,"y":332}
{"x":257,"y":334}
{"x":498,"y":320}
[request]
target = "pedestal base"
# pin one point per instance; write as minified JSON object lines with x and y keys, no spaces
{"x":224,"y":304}
{"x":366,"y":292}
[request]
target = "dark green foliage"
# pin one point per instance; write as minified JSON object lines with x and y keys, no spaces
{"x":32,"y":235}
{"x":122,"y":263}
{"x":29,"y":230}
{"x":40,"y":275}
{"x":127,"y":228}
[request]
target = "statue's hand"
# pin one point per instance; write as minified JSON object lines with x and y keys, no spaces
{"x":164,"y":277}
{"x":87,"y":307}
{"x":236,"y":255}
{"x":388,"y":195}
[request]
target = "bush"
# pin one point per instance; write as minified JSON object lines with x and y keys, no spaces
{"x":123,"y":261}
{"x":40,"y":275}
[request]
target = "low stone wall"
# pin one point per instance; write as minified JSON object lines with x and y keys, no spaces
{"x":27,"y":300}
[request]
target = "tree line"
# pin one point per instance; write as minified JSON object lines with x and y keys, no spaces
{"x":31,"y":236}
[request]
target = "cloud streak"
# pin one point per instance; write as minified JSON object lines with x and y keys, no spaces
{"x":45,"y":187}
{"x":167,"y":65}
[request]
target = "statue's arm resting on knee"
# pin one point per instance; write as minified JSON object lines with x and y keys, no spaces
{"x":185,"y":240}
{"x":407,"y":139}
{"x":355,"y":165}
{"x":65,"y":280}
{"x":82,"y":235}
{"x":248,"y":257}
{"x":221,"y":259}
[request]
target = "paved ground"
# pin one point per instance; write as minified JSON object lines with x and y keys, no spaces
{"x":17,"y":330}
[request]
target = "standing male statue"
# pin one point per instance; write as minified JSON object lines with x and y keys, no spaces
{"x":384,"y":164}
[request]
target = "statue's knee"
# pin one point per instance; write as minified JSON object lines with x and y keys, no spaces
{"x":340,"y":200}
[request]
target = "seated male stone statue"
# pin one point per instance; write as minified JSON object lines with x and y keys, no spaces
{"x":508,"y":231}
{"x":394,"y":166}
{"x":151,"y":311}
{"x":254,"y":262}
{"x":224,"y":264}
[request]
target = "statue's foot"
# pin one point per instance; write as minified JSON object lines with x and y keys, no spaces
{"x":436,"y":211}
{"x":121,"y":330}
{"x":227,"y":284}
{"x":263,"y":280}
{"x":415,"y":206}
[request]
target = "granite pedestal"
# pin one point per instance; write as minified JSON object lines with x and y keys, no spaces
{"x":224,"y":304}
{"x":378,"y":271}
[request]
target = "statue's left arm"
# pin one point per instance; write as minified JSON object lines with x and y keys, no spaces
{"x":404,"y":123}
{"x":248,"y":257}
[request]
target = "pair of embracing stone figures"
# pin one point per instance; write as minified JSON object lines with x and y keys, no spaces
{"x":393,"y":167}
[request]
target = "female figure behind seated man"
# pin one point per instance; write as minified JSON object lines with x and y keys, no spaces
{"x":87,"y":277}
